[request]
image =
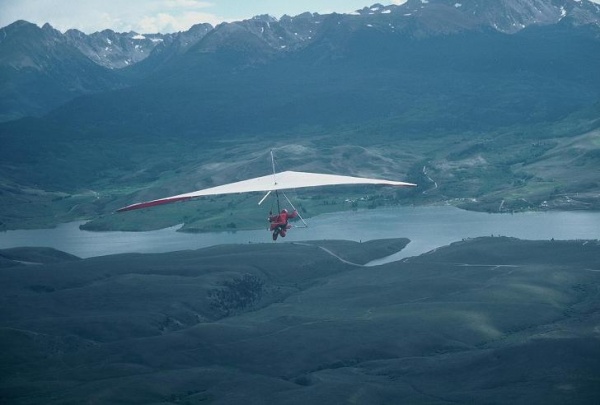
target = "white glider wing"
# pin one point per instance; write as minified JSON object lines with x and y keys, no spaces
{"x":278,"y":181}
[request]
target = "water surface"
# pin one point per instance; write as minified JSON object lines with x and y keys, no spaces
{"x":427,"y":228}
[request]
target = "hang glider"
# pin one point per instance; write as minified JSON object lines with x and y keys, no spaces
{"x":273,"y":182}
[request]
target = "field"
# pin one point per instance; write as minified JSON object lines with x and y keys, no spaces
{"x":488,"y":320}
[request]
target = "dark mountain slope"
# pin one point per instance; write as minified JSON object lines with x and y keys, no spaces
{"x":162,"y":54}
{"x":39,"y":71}
{"x":141,"y":55}
{"x":489,"y":320}
{"x":115,"y":50}
{"x":463,"y":81}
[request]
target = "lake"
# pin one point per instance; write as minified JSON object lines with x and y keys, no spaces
{"x":427,"y":228}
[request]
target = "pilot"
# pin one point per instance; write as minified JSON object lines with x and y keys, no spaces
{"x":279,"y":222}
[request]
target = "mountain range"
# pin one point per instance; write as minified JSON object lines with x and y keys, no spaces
{"x":58,"y":65}
{"x":415,"y":72}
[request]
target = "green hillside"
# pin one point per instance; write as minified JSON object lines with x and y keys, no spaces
{"x":538,"y":167}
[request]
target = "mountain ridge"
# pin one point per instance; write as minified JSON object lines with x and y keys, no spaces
{"x":127,"y":52}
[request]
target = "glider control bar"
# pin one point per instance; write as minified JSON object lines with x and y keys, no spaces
{"x":264,"y":198}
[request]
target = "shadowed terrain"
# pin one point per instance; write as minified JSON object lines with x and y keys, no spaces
{"x":489,"y":320}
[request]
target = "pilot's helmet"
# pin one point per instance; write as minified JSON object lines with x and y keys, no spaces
{"x":284,"y":211}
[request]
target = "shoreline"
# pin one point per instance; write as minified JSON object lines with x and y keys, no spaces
{"x":461,"y":204}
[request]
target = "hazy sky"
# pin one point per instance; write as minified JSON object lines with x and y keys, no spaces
{"x":150,"y":16}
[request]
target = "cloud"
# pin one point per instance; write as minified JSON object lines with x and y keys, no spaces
{"x":192,"y":4}
{"x":175,"y":15}
{"x":143,"y":16}
{"x":165,"y":22}
{"x":162,"y":15}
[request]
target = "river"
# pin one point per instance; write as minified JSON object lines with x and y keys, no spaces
{"x":427,"y":228}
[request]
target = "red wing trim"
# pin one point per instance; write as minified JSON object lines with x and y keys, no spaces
{"x":152,"y":203}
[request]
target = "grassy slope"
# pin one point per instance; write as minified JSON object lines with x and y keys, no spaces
{"x":15,"y":256}
{"x":543,"y":166}
{"x":485,"y":320}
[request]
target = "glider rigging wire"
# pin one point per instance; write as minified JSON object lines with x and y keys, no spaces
{"x":282,"y":192}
